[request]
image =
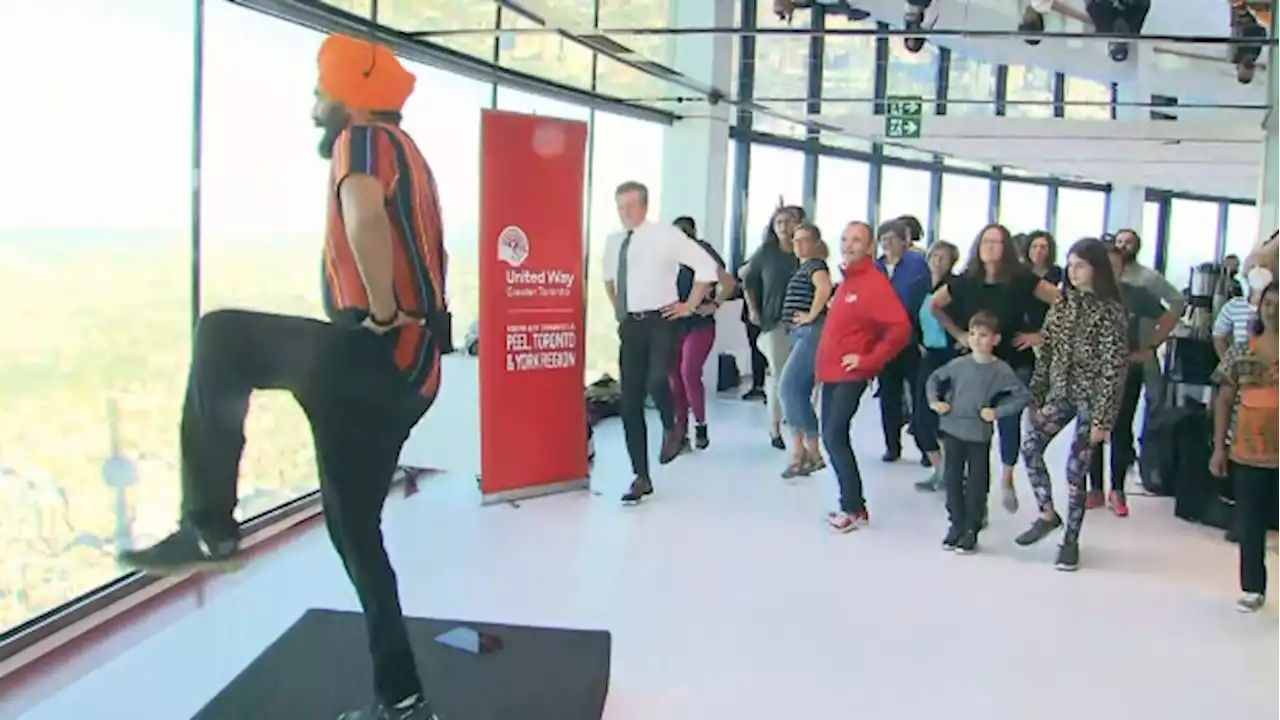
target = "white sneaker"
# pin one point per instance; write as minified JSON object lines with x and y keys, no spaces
{"x":1251,"y":602}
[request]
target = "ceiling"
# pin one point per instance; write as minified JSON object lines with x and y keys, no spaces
{"x":1207,"y":149}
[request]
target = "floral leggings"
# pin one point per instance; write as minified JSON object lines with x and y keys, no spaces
{"x":1050,"y":420}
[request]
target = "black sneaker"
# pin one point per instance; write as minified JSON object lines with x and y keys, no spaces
{"x":753,"y":394}
{"x":925,"y":462}
{"x":1032,"y":22}
{"x":1068,"y":557}
{"x":700,"y":439}
{"x":415,"y":709}
{"x":891,"y":455}
{"x":1039,"y":530}
{"x":952,"y":537}
{"x":967,"y":544}
{"x":639,"y":490}
{"x":777,"y":442}
{"x":184,"y":551}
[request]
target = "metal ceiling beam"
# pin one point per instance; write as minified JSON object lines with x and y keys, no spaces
{"x":800,"y":31}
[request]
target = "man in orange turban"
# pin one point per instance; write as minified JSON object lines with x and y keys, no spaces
{"x":364,"y":378}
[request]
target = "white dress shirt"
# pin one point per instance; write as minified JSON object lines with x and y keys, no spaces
{"x":654,"y":257}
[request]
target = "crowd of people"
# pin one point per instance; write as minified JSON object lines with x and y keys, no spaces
{"x":1006,"y":346}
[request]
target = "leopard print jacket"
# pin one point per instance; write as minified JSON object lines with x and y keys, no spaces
{"x":1083,"y":357}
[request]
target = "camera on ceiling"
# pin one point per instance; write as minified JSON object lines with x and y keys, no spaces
{"x":920,"y":15}
{"x":1118,"y":17}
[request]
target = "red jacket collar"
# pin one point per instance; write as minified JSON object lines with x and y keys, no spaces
{"x":860,"y":267}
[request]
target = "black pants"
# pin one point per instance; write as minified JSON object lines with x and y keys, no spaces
{"x":967,"y":474}
{"x":923,"y":419}
{"x":759,"y":363}
{"x":839,"y":405}
{"x":905,"y":368}
{"x":1123,"y":452}
{"x":1255,"y":490}
{"x":360,"y":410}
{"x":646,"y":353}
{"x":1105,"y":13}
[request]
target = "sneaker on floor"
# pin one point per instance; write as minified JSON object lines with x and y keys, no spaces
{"x":891,"y":455}
{"x":777,"y":442}
{"x":933,"y":483}
{"x":753,"y":394}
{"x":843,"y":522}
{"x":1094,"y":500}
{"x":1068,"y":557}
{"x":700,"y":438}
{"x":1039,"y":530}
{"x":639,"y":490}
{"x":1119,"y":505}
{"x":1009,"y":499}
{"x":967,"y":544}
{"x":185,"y":550}
{"x":414,"y":709}
{"x":952,"y":537}
{"x":1251,"y":602}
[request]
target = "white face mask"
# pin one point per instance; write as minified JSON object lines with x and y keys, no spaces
{"x":1258,"y":278}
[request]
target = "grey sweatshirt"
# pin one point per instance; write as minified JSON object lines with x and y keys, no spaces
{"x":975,"y":385}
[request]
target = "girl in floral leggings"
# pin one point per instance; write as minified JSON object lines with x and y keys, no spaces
{"x":1078,"y":376}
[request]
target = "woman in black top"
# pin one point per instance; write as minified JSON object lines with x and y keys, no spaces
{"x":803,"y":309}
{"x":697,"y":336}
{"x":995,"y":281}
{"x":1042,"y":257}
{"x":765,"y":284}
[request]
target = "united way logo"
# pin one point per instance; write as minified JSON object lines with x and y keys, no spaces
{"x":513,"y":246}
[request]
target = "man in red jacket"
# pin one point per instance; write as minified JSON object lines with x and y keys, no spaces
{"x":866,"y":327}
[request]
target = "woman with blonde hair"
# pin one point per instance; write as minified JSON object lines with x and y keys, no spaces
{"x":804,"y":307}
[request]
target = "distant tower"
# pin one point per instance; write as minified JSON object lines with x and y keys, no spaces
{"x":119,"y":473}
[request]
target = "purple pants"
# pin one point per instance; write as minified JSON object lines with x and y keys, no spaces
{"x":686,"y":375}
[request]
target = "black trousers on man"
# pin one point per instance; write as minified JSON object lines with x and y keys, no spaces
{"x":646,"y":352}
{"x":361,"y":411}
{"x":905,"y":368}
{"x":1123,"y":453}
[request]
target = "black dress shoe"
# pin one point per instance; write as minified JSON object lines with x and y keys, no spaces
{"x":639,"y":490}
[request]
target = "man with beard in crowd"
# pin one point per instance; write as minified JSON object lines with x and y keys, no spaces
{"x":363,"y":379}
{"x":1129,"y":243}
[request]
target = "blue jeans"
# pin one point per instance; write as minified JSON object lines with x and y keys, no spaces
{"x":1010,"y":428}
{"x":924,"y":419}
{"x":795,"y":385}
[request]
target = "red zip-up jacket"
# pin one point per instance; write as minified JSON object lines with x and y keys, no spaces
{"x":864,"y":318}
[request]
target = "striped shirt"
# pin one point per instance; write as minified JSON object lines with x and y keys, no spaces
{"x":800,"y":289}
{"x":386,"y":153}
{"x":1236,"y":319}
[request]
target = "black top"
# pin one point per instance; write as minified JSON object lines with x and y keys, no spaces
{"x":1007,"y":301}
{"x":800,"y":289}
{"x":684,"y":286}
{"x":768,"y":272}
{"x":1037,"y":310}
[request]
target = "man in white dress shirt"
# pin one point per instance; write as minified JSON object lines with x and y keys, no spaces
{"x":640,"y":268}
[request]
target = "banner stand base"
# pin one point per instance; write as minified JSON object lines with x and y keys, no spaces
{"x":533,"y":492}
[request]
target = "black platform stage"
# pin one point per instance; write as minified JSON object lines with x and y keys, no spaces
{"x":319,"y":667}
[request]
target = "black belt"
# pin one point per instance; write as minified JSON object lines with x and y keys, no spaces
{"x":643,"y":315}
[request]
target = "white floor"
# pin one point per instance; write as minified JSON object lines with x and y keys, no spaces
{"x":728,"y":600}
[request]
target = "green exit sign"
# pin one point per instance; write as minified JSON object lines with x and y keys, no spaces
{"x":904,"y":116}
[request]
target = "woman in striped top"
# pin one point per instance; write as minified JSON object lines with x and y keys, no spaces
{"x":804,"y":306}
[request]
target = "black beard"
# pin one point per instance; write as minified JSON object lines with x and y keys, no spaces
{"x":334,"y":121}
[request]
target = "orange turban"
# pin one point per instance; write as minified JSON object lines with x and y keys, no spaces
{"x":362,"y":75}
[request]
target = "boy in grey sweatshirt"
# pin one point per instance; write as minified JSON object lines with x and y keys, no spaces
{"x":969,"y":394}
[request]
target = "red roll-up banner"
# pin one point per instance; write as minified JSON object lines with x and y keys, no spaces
{"x":533,"y":436}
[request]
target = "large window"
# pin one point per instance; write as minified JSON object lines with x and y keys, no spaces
{"x":416,"y":16}
{"x":911,"y":73}
{"x":623,"y":149}
{"x":97,"y":266}
{"x":1242,"y":230}
{"x":777,"y":176}
{"x":1086,"y":99}
{"x":549,"y":55}
{"x":619,"y":80}
{"x":1081,"y":214}
{"x":904,"y":191}
{"x":964,"y":210}
{"x":843,"y":187}
{"x":971,"y":86}
{"x":781,"y":75}
{"x":1193,"y":236}
{"x":1023,"y":207}
{"x":1029,"y":92}
{"x":848,"y":79}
